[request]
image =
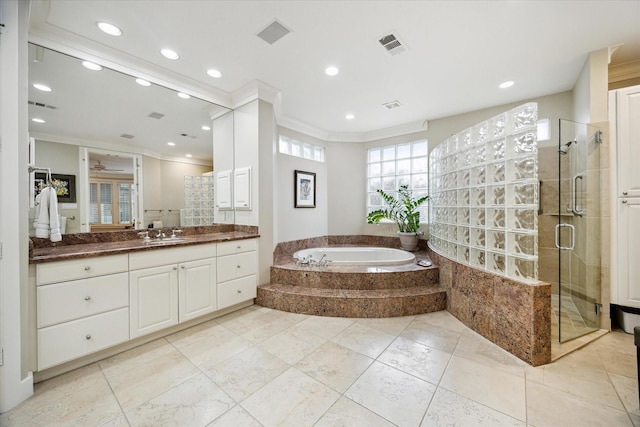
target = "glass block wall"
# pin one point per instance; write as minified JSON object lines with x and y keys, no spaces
{"x":484,"y":195}
{"x":198,"y":201}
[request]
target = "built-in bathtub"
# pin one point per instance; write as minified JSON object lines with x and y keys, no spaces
{"x":353,"y":256}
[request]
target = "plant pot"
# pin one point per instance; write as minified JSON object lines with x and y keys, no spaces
{"x":408,"y":241}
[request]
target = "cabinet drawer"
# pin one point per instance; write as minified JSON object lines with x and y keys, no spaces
{"x":62,"y":271}
{"x":67,"y":341}
{"x":235,"y":266}
{"x":61,"y":302}
{"x":237,"y":246}
{"x":159,"y":257}
{"x":236,"y":291}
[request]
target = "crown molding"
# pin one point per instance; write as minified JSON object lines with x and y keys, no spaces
{"x":625,"y":71}
{"x":253,"y":90}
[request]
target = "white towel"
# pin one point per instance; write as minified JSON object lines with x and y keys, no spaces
{"x":37,"y":211}
{"x":54,"y":218}
{"x":42,"y":214}
{"x":63,"y":224}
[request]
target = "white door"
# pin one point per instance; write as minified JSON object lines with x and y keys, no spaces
{"x":153,"y":299}
{"x":629,"y":252}
{"x":628,"y":137}
{"x":197,"y":288}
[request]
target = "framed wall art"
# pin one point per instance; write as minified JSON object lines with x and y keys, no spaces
{"x":305,"y":189}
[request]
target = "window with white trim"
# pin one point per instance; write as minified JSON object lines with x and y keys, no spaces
{"x":303,"y":150}
{"x":392,"y":166}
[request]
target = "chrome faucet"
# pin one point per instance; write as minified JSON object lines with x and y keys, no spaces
{"x":160,"y":235}
{"x":174,"y":233}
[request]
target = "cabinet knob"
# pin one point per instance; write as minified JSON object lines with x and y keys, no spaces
{"x":624,"y":193}
{"x":182,"y":267}
{"x":87,"y":268}
{"x":624,"y":201}
{"x":238,"y":266}
{"x":239,"y":291}
{"x":87,"y":298}
{"x":88,"y":337}
{"x":175,"y":267}
{"x":238,"y":247}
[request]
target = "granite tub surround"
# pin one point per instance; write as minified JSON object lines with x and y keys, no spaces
{"x":514,"y":315}
{"x":85,"y":245}
{"x":351,"y":290}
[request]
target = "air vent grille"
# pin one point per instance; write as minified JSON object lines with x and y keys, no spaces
{"x":392,"y":44}
{"x":156,"y":115}
{"x":273,"y":32}
{"x":127,"y":136}
{"x":392,"y":105}
{"x":41,"y":105}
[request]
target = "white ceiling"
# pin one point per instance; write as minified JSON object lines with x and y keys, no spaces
{"x":458,"y":51}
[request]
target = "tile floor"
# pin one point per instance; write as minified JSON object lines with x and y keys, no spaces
{"x":260,"y":367}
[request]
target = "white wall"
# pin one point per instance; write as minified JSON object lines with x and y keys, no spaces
{"x":591,"y":89}
{"x":346,"y":187}
{"x":246,"y":140}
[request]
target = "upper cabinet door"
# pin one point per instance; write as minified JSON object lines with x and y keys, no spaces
{"x":242,"y":189}
{"x":628,"y":141}
{"x":223,"y":190}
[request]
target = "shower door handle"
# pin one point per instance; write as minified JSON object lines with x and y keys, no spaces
{"x":573,"y":237}
{"x":574,"y":194}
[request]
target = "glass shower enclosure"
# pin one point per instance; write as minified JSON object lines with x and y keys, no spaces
{"x":576,"y":306}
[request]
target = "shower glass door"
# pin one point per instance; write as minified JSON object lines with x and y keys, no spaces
{"x":577,"y":234}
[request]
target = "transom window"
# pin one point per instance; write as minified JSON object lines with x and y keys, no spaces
{"x":392,"y":166}
{"x":296,"y":148}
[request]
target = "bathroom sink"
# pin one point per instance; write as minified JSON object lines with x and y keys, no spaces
{"x":167,"y":241}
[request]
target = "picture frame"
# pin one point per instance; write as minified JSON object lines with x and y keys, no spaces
{"x":67,"y":192}
{"x":304,"y":189}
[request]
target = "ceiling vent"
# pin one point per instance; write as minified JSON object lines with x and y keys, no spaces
{"x":127,"y":136}
{"x":392,"y":44}
{"x":156,"y":115}
{"x":392,"y":105}
{"x":186,"y":135}
{"x":274,"y":32}
{"x":41,"y":105}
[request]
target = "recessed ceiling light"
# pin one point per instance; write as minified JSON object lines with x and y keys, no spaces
{"x":143,"y":82}
{"x":214,"y":73}
{"x":206,"y":128}
{"x":188,"y":155}
{"x":37,"y":120}
{"x":506,"y":84}
{"x":349,"y":116}
{"x":171,"y":144}
{"x":91,"y":66}
{"x":183,"y":95}
{"x":110,"y":29}
{"x":169,"y":54}
{"x":331,"y":71}
{"x":42,"y":87}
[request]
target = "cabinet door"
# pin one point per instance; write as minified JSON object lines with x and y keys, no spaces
{"x":629,"y":252}
{"x":153,"y":299}
{"x":223,"y":190}
{"x":242,"y":189}
{"x":197,"y":288}
{"x":628,"y":136}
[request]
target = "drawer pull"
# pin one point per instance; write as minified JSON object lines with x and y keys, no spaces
{"x":88,"y":337}
{"x":87,"y":268}
{"x":238,"y":266}
{"x":238,"y":247}
{"x":182,"y":267}
{"x":175,"y":268}
{"x":239,"y":291}
{"x":87,"y":298}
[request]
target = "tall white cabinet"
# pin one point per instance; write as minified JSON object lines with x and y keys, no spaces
{"x":624,"y":108}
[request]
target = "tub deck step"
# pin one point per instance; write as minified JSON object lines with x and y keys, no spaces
{"x":335,"y":302}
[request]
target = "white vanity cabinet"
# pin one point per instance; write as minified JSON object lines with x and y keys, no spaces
{"x":82,"y":307}
{"x":170,"y":286}
{"x":237,"y":267}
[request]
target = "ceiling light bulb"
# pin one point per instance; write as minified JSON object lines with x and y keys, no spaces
{"x":91,"y":66}
{"x":206,"y":128}
{"x":37,"y":120}
{"x":331,"y":71}
{"x":42,"y":87}
{"x":183,"y":95}
{"x":189,"y":155}
{"x":506,"y":84}
{"x":349,"y":116}
{"x":110,"y":29}
{"x":171,"y":144}
{"x":169,"y":54}
{"x":143,"y":82}
{"x":214,"y":73}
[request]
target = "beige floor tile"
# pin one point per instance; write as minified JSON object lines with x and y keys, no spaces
{"x":363,"y":339}
{"x":136,"y":386}
{"x":247,"y":372}
{"x":394,"y":395}
{"x":346,"y":413}
{"x":635,"y":419}
{"x":334,"y":365}
{"x":120,"y":421}
{"x":549,"y":407}
{"x":292,"y":399}
{"x":136,"y":357}
{"x":491,"y":387}
{"x":292,"y":344}
{"x":451,"y":409}
{"x":216,"y":348}
{"x":195,"y":333}
{"x":195,"y":402}
{"x":617,"y":340}
{"x":627,"y":389}
{"x":442,"y":338}
{"x":261,"y":324}
{"x":325,"y":327}
{"x":236,"y":417}
{"x":618,"y":361}
{"x":474,"y":347}
{"x":391,"y":325}
{"x":443,"y":319}
{"x":71,"y":382}
{"x":416,"y":359}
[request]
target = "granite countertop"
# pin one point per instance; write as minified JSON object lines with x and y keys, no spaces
{"x":86,"y":250}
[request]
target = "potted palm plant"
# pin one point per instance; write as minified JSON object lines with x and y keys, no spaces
{"x":403,"y":210}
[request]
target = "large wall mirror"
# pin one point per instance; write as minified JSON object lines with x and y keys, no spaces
{"x":128,"y":145}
